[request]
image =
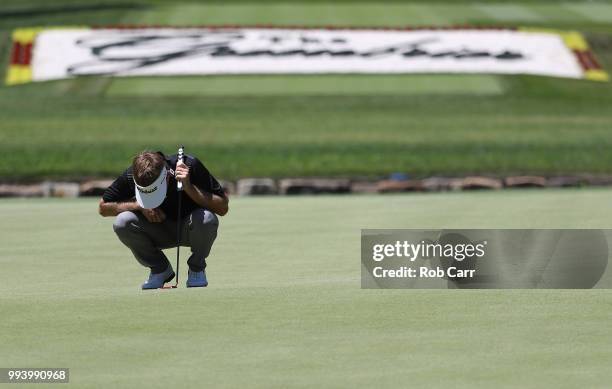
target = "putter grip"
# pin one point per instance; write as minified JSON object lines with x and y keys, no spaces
{"x":179,"y":185}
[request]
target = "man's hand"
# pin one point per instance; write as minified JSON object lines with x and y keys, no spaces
{"x":182,"y":174}
{"x":155,"y":215}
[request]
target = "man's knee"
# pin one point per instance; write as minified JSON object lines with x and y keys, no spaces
{"x":124,"y":221}
{"x":204,"y":220}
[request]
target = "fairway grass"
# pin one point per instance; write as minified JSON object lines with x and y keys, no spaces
{"x":327,"y":125}
{"x":284,"y":307}
{"x":301,"y":85}
{"x":369,"y":13}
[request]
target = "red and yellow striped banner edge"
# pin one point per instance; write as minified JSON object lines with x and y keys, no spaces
{"x":576,"y":42}
{"x":19,"y":69}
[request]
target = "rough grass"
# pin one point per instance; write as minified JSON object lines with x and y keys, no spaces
{"x":302,"y":135}
{"x":328,"y":125}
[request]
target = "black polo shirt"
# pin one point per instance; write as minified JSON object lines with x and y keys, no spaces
{"x":122,"y":189}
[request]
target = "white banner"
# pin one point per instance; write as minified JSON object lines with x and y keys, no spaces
{"x":64,"y":53}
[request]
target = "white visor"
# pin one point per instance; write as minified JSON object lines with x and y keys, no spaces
{"x":153,"y":195}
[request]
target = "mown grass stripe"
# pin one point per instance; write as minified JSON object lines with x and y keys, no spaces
{"x":307,"y":85}
{"x":598,"y":12}
{"x":357,"y":14}
{"x":557,"y":13}
{"x":365,"y":13}
{"x":508,"y":12}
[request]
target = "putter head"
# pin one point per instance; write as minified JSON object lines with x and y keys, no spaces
{"x":166,"y":286}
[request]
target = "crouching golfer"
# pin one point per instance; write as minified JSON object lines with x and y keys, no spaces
{"x":145,"y":201}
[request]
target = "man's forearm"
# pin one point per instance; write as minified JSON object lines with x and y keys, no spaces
{"x":114,"y":209}
{"x":212,"y":202}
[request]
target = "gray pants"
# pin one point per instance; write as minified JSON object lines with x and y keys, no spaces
{"x":146,"y":239}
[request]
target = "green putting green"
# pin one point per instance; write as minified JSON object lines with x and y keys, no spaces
{"x":284,"y":307}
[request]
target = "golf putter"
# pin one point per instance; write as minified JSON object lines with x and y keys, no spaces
{"x":179,"y":189}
